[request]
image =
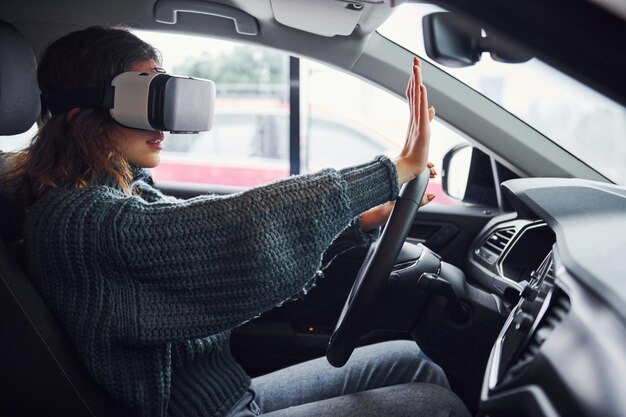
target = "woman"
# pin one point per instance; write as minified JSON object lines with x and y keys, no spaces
{"x":149,"y":286}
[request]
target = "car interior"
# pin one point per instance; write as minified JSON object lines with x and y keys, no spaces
{"x":518,"y":290}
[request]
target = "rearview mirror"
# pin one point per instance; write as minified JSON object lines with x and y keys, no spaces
{"x":454,"y":41}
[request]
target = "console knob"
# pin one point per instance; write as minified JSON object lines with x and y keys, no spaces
{"x":529,"y":293}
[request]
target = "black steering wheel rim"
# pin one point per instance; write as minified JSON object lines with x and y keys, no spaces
{"x":375,"y":271}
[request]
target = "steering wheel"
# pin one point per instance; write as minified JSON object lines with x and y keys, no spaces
{"x":372,"y":277}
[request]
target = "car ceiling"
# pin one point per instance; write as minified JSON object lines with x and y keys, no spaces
{"x":43,"y":21}
{"x":590,"y":32}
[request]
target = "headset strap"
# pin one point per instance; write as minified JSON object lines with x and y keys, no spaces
{"x":62,"y":101}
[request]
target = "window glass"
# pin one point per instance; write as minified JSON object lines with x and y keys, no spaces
{"x":580,"y":120}
{"x":348,"y":121}
{"x":249,"y":142}
{"x":241,"y":150}
{"x":344,"y":120}
{"x":334,"y":144}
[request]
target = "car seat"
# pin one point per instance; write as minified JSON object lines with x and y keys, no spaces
{"x":40,"y":373}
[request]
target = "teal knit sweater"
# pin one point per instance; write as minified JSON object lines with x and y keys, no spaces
{"x":149,"y":286}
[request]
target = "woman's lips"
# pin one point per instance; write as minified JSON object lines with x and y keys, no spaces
{"x":156,"y":143}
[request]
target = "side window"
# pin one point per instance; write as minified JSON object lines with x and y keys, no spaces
{"x":343,"y":120}
{"x":350,"y":121}
{"x":249,"y":142}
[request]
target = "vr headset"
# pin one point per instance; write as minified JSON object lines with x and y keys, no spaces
{"x":146,"y":100}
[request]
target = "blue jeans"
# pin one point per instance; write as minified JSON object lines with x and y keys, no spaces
{"x":390,"y":379}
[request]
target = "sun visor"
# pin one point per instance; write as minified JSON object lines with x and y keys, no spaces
{"x":340,"y":17}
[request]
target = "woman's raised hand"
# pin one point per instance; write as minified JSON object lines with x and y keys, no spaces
{"x":414,"y":156}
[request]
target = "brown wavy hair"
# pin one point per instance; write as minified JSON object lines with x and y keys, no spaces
{"x":75,"y":150}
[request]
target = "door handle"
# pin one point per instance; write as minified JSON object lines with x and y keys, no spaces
{"x":166,"y":11}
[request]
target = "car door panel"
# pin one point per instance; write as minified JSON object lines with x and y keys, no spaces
{"x":449,"y":229}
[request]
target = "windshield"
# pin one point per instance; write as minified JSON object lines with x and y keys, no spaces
{"x":585,"y":123}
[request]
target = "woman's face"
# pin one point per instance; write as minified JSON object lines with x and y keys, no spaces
{"x":141,"y":148}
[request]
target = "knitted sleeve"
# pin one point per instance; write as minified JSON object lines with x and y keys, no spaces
{"x":351,"y":237}
{"x":205,"y":265}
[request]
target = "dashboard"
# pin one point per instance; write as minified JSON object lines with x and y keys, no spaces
{"x":507,"y":252}
{"x":558,"y":261}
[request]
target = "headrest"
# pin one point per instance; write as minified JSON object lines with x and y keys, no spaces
{"x":19,"y":95}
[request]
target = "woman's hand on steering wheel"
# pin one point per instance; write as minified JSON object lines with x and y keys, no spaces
{"x":413,"y":158}
{"x":377,"y":216}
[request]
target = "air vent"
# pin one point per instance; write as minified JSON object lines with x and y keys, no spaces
{"x":498,"y":240}
{"x":555,"y":313}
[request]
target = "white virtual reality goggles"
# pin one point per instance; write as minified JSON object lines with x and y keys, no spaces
{"x":146,"y":100}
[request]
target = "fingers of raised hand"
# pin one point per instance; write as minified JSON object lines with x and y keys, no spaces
{"x":423,"y":109}
{"x":411,"y":96}
{"x":415,"y":80}
{"x":420,"y":114}
{"x":433,"y":171}
{"x":415,"y":99}
{"x":427,"y":199}
{"x":431,"y":113}
{"x":417,"y":70}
